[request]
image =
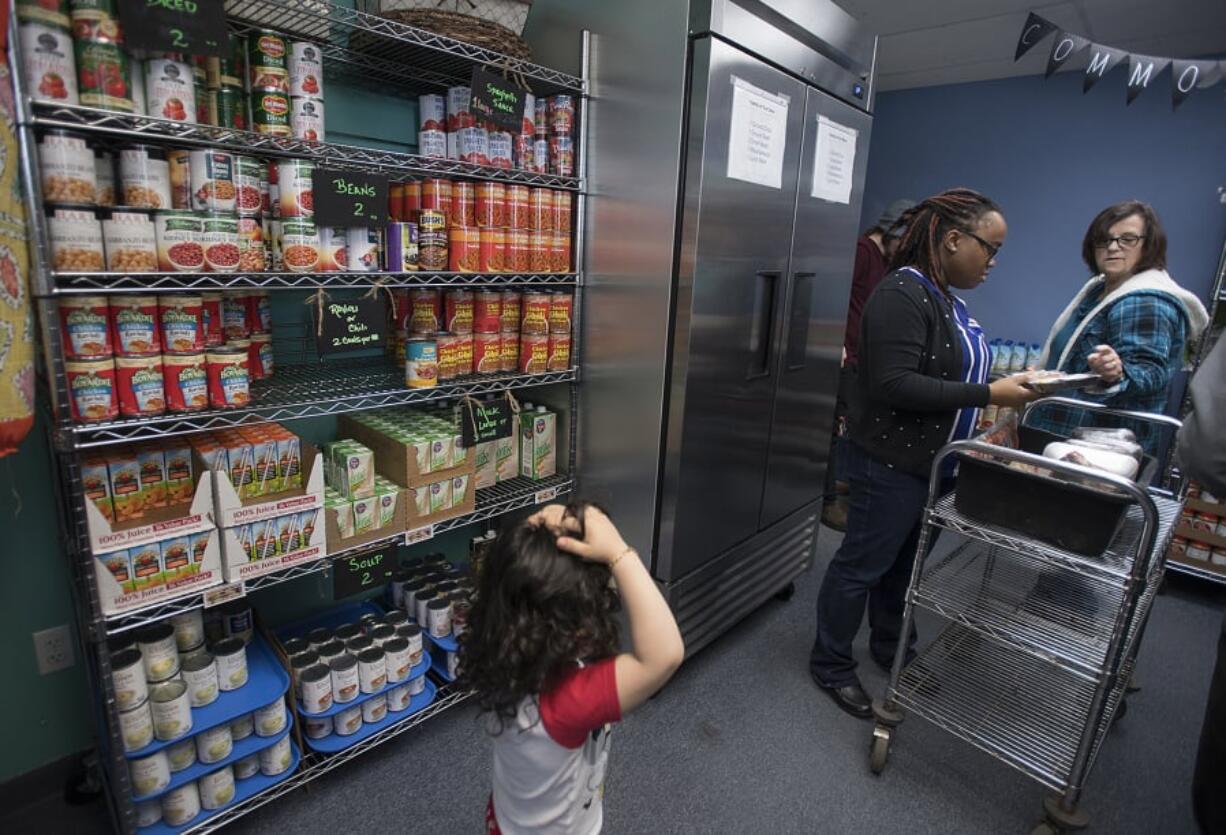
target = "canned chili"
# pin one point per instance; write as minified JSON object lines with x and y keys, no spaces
{"x":425,"y":310}
{"x":491,"y":205}
{"x":493,"y":250}
{"x":511,"y":310}
{"x":229,"y":379}
{"x":91,"y":390}
{"x":458,"y":311}
{"x":533,"y":353}
{"x":562,"y":204}
{"x":510,"y":352}
{"x":487,"y":353}
{"x":185,"y":379}
{"x":540,"y":245}
{"x":463,"y":206}
{"x":561,"y":306}
{"x":139,"y":385}
{"x":85,"y":327}
{"x":559,"y":352}
{"x":182,"y":322}
{"x":487,"y":311}
{"x":134,"y":328}
{"x":535,"y":318}
{"x":540,"y":209}
{"x":448,"y":355}
{"x":464,"y":354}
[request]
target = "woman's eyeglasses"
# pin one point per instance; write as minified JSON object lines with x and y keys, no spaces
{"x":1125,"y":241}
{"x":989,"y":247}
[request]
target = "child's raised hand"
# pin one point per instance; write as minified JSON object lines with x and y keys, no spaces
{"x":601,"y":540}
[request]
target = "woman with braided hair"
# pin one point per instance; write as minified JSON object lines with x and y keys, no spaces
{"x":922,"y":381}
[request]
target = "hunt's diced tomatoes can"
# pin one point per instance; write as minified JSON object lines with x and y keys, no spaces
{"x":139,"y":384}
{"x":510,"y":352}
{"x":487,"y":353}
{"x":185,"y":379}
{"x":535,"y":318}
{"x":134,"y":325}
{"x":487,"y":312}
{"x":91,"y":390}
{"x":533,"y":353}
{"x":561,"y":307}
{"x":559,"y":352}
{"x":458,"y":311}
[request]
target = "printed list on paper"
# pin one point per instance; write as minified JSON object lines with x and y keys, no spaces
{"x":834,"y":161}
{"x":758,"y":135}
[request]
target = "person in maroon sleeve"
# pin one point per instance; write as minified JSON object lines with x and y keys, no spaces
{"x":541,"y":655}
{"x":874,"y":250}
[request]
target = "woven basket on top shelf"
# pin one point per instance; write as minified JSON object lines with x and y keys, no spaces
{"x":495,"y":25}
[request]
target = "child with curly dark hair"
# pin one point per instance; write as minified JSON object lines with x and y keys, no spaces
{"x":541,"y":654}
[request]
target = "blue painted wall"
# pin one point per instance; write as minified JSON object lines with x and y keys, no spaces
{"x":1053,"y":158}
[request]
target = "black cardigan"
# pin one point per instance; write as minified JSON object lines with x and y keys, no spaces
{"x":909,"y":383}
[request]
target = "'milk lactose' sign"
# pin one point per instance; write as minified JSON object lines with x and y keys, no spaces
{"x":349,"y":198}
{"x":197,"y":27}
{"x":497,"y":100}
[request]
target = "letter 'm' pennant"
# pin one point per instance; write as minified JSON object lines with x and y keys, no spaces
{"x":1142,"y":69}
{"x":1103,"y":59}
{"x":1036,"y":29}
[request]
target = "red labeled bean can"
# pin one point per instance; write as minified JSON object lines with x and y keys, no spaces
{"x":561,"y":309}
{"x":533,"y":353}
{"x":85,"y":327}
{"x":182,"y":321}
{"x":448,"y":355}
{"x":519,"y":251}
{"x":491,"y":208}
{"x":464,"y":249}
{"x":540,"y":209}
{"x":91,"y":390}
{"x":395,"y":202}
{"x":510,"y":352}
{"x":139,"y":384}
{"x":563,"y":202}
{"x":259,"y":356}
{"x":511,"y":301}
{"x":535,"y":318}
{"x":487,"y":311}
{"x":518,"y":203}
{"x":493,"y":250}
{"x":436,"y":195}
{"x":463,"y":210}
{"x":412,"y":199}
{"x":487,"y":353}
{"x":213,"y":334}
{"x":541,"y":248}
{"x":559,"y":352}
{"x":559,"y":252}
{"x":425,"y":311}
{"x":186,"y":380}
{"x":229,"y":378}
{"x":134,"y":325}
{"x":458,"y":311}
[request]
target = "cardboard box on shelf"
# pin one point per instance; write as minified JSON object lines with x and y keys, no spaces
{"x":409,"y":465}
{"x":233,"y":510}
{"x":153,"y":523}
{"x":1206,"y":537}
{"x":273,"y":543}
{"x":440,"y":500}
{"x":385,"y":525}
{"x":153,"y":572}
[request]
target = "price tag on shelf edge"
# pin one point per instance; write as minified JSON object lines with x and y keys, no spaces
{"x":195,"y":27}
{"x":349,"y":198}
{"x":354,"y":575}
{"x":546,"y":495}
{"x":413,"y":537}
{"x":223,"y":594}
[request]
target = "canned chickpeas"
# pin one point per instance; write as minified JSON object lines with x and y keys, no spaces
{"x":66,"y":168}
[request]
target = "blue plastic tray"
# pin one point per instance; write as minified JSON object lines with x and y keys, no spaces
{"x":242,"y":748}
{"x":417,"y":671}
{"x":438,"y":660}
{"x":333,"y":743}
{"x":267,"y":681}
{"x":243,"y":790}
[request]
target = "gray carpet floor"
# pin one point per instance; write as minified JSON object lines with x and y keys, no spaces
{"x":742,"y":742}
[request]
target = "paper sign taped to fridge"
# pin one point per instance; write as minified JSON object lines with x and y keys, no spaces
{"x":834,"y":161}
{"x":758,"y":135}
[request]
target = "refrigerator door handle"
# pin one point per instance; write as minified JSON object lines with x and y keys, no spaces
{"x":762,"y":332}
{"x":796,"y":351}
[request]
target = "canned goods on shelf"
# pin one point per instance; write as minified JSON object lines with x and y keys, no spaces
{"x":560,"y":253}
{"x":540,"y":155}
{"x":362,"y":249}
{"x":307,"y":118}
{"x":103,"y":73}
{"x":425,"y":310}
{"x":487,"y":353}
{"x":432,"y":144}
{"x":270,"y":112}
{"x":220,"y":240}
{"x":333,"y":249}
{"x":185,"y":378}
{"x":212,"y":182}
{"x":502,"y":150}
{"x":130,"y":241}
{"x":299,"y":246}
{"x":511,"y":304}
{"x":170,"y":91}
{"x":139,"y":385}
{"x":48,"y":61}
{"x":421,"y":368}
{"x":134,"y":328}
{"x":149,"y":774}
{"x":181,"y":754}
{"x":76,"y":240}
{"x":345,"y":685}
{"x":180,"y":241}
{"x":294,"y":182}
{"x":181,"y":319}
{"x":171,"y":708}
{"x":561,"y":308}
{"x":458,"y":311}
{"x":229,"y":380}
{"x":402,"y":243}
{"x":92,"y":396}
{"x":463,"y":206}
{"x":474,"y":145}
{"x":487,"y":311}
{"x":533,"y":353}
{"x":541,"y":250}
{"x":231,"y":656}
{"x":178,"y":161}
{"x":306,"y":70}
{"x":67,"y":168}
{"x":128,"y":678}
{"x":562,"y":156}
{"x":216,"y":788}
{"x":268,"y":60}
{"x":490,"y":207}
{"x":200,"y":676}
{"x":251,"y":253}
{"x":541,"y":209}
{"x":144,"y":177}
{"x":493,"y":250}
{"x":260,"y":357}
{"x":436,"y":195}
{"x":214,"y":744}
{"x":464,"y":249}
{"x":104,"y":175}
{"x":519,"y":251}
{"x":522,"y":152}
{"x":559,"y":352}
{"x":227,"y":107}
{"x":459,"y":108}
{"x":181,"y":804}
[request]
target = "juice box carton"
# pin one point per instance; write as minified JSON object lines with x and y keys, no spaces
{"x":199,"y":544}
{"x":211,"y":453}
{"x":264,"y":536}
{"x":289,"y":460}
{"x":176,"y":557}
{"x":459,"y":452}
{"x":289,"y":537}
{"x":123,"y":472}
{"x":442,"y":450}
{"x":180,"y":482}
{"x":152,"y":463}
{"x":421,"y":500}
{"x":421,"y":449}
{"x":459,"y":490}
{"x":365,"y":515}
{"x":538,"y":453}
{"x":506,"y":458}
{"x":264,"y":476}
{"x":239,"y":464}
{"x":119,"y":565}
{"x":344,"y":515}
{"x":487,"y":467}
{"x":440,"y":496}
{"x":307,"y":520}
{"x":243,"y":534}
{"x":147,"y":566}
{"x":97,"y":484}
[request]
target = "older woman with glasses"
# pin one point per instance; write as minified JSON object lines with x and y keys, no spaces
{"x":1130,"y":323}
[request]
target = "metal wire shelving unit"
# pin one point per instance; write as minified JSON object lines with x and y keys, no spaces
{"x":358,"y":47}
{"x":1040,"y":641}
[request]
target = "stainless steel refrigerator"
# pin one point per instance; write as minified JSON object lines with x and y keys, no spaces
{"x":726,"y":149}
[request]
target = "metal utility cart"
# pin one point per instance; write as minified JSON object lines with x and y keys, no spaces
{"x":1040,"y":643}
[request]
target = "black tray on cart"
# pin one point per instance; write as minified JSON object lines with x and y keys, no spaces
{"x":1068,"y":515}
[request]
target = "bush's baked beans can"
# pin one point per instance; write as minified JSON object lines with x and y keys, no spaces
{"x":170,"y":91}
{"x":436,"y":195}
{"x":540,"y":209}
{"x":510,"y":352}
{"x":464,"y":249}
{"x":561,"y":309}
{"x":229,"y":380}
{"x":432,"y":240}
{"x":463,"y":211}
{"x":402,"y":252}
{"x":559,"y":252}
{"x":487,"y":311}
{"x":182,"y":322}
{"x":362,"y":249}
{"x":91,"y":390}
{"x":425,"y":310}
{"x":458,"y":311}
{"x":294,"y":182}
{"x":559,"y":352}
{"x":138,"y":382}
{"x":487,"y":353}
{"x":502,"y":149}
{"x":421,"y":363}
{"x":493,"y":250}
{"x":213,"y":188}
{"x":562,"y":156}
{"x":519,"y":251}
{"x":185,"y":377}
{"x":85,"y":327}
{"x":541,"y":248}
{"x":491,"y":205}
{"x":533,"y":353}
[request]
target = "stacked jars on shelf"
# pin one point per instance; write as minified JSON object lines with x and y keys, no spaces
{"x":142,"y":356}
{"x":458,"y":333}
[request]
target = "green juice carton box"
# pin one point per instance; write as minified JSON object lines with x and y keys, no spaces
{"x":506,"y":458}
{"x":486,"y":474}
{"x":538,"y":456}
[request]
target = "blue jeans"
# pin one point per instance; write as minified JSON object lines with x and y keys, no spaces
{"x":872,"y":567}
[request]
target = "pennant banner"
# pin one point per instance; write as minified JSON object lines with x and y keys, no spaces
{"x":1187,"y":76}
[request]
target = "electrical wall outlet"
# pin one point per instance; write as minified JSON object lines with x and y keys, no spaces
{"x":53,"y":648}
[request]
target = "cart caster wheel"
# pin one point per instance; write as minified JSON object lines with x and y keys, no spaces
{"x":880,"y":750}
{"x":786,"y":593}
{"x":1045,"y":828}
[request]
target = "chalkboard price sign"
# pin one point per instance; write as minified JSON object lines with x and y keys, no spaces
{"x":483,"y":422}
{"x":497,"y":100}
{"x":195,"y":27}
{"x":354,"y":325}
{"x":354,"y":575}
{"x":349,"y":198}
